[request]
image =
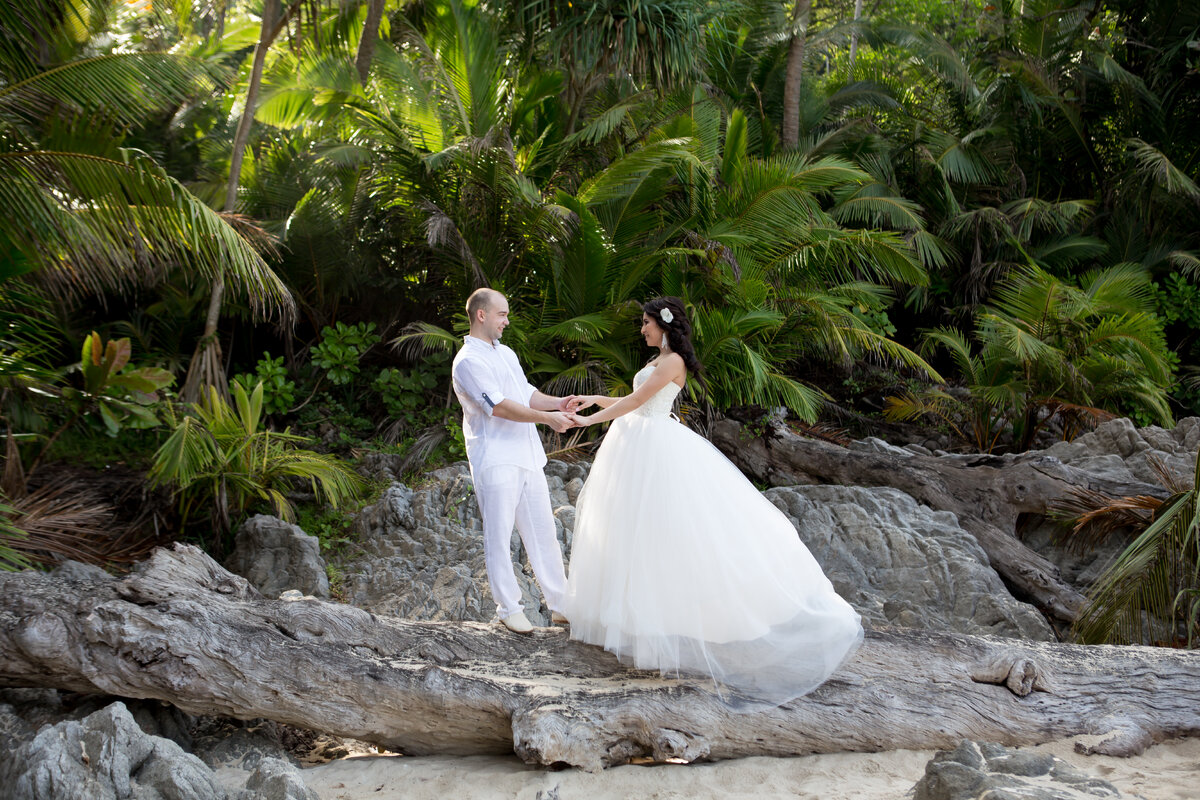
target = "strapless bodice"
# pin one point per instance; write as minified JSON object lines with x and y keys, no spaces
{"x":662,"y":402}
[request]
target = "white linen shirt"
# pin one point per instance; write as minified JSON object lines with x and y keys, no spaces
{"x":483,"y":375}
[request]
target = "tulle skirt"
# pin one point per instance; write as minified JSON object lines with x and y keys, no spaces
{"x":679,"y":564}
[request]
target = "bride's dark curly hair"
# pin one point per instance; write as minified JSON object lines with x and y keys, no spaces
{"x":679,"y":331}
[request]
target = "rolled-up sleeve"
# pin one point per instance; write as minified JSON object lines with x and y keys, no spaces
{"x":479,"y":383}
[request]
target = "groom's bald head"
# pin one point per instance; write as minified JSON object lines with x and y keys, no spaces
{"x":481,"y":300}
{"x":488,"y":312}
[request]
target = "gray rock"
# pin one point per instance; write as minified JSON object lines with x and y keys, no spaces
{"x":164,"y":720}
{"x":105,"y":755}
{"x":986,"y":771}
{"x":382,"y":467}
{"x":895,"y":560}
{"x":275,"y":779}
{"x":276,"y":556}
{"x":1079,"y":566}
{"x":239,"y":744}
{"x":422,"y":549}
{"x":14,"y":731}
{"x":872,"y":444}
{"x":78,"y":571}
{"x":1120,"y":451}
{"x":900,"y":563}
{"x":36,"y":707}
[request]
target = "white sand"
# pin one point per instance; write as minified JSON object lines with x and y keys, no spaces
{"x":1164,"y":772}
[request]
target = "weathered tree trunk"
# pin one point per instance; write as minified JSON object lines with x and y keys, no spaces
{"x":184,"y":630}
{"x":794,"y":75}
{"x":986,"y":493}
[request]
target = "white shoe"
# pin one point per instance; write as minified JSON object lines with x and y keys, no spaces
{"x":517,"y":623}
{"x":558,"y":619}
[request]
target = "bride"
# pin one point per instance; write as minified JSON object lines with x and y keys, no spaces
{"x":679,"y":564}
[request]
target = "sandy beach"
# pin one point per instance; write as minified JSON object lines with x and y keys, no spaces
{"x":1166,"y":771}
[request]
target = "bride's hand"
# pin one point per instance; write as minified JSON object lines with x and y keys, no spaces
{"x":585,"y":401}
{"x":579,"y":420}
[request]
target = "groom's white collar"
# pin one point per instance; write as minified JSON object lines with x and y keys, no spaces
{"x":481,"y":342}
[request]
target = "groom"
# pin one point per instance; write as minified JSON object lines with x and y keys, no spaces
{"x":500,"y":409}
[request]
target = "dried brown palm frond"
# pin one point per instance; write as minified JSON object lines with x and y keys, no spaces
{"x":1094,"y":517}
{"x":62,"y":521}
{"x":1170,"y":480}
{"x":1076,"y":419}
{"x":822,"y":431}
{"x":569,"y":446}
{"x":258,"y":237}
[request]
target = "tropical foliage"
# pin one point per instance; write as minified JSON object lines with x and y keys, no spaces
{"x":1151,"y":593}
{"x":1049,"y":349}
{"x":992,"y":204}
{"x":224,"y":454}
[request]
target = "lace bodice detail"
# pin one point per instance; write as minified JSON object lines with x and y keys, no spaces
{"x":662,"y":402}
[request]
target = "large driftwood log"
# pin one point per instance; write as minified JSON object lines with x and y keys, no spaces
{"x":184,"y":630}
{"x":987,"y":494}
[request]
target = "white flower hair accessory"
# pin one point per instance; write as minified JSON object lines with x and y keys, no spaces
{"x":666,"y":315}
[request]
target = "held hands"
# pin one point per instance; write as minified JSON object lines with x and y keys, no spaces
{"x":575,"y":402}
{"x":568,"y":415}
{"x":560,"y":421}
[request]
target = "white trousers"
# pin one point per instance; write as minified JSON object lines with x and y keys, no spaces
{"x":509,"y":495}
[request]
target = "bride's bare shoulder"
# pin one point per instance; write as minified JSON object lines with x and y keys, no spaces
{"x":671,"y":360}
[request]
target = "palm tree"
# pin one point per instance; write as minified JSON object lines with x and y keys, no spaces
{"x":1048,"y":348}
{"x":794,"y":77}
{"x":369,"y":38}
{"x":1151,"y":592}
{"x":206,"y":368}
{"x":647,"y":43}
{"x":85,"y":215}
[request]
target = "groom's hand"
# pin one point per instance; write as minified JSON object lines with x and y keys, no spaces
{"x":559,"y":421}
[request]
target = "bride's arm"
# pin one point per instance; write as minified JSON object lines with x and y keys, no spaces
{"x":602,"y":400}
{"x":667,"y":370}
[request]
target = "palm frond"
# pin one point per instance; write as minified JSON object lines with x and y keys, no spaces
{"x":1156,"y":167}
{"x":419,"y":339}
{"x":124,"y":87}
{"x":99,"y":224}
{"x":1188,"y":262}
{"x":622,"y":177}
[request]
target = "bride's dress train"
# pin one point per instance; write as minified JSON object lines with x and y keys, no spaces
{"x":679,"y":564}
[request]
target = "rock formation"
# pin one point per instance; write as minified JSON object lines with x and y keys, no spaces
{"x":182,"y":629}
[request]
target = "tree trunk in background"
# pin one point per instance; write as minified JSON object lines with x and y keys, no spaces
{"x":370,"y":35}
{"x":183,"y":630}
{"x":795,"y":75}
{"x":858,"y":4}
{"x":206,"y":367}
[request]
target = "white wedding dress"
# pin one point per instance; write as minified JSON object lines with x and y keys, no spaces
{"x":679,"y":564}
